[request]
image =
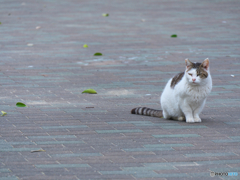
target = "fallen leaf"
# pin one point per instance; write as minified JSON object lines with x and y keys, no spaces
{"x":0,"y":23}
{"x":3,"y":113}
{"x":19,"y":104}
{"x":40,"y":150}
{"x":105,"y":14}
{"x":174,"y":36}
{"x":85,"y":46}
{"x":98,"y":54}
{"x":90,"y":91}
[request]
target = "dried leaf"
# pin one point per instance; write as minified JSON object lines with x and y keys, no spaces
{"x":3,"y":113}
{"x":40,"y":150}
{"x":105,"y":14}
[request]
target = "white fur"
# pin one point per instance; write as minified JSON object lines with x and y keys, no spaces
{"x":187,"y":99}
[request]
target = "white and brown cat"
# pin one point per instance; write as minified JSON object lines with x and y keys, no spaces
{"x":185,"y":94}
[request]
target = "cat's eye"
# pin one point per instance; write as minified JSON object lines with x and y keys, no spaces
{"x":190,"y":74}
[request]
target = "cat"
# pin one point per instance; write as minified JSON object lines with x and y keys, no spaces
{"x":184,"y":96}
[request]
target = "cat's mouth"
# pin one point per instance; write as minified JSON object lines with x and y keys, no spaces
{"x":194,"y":83}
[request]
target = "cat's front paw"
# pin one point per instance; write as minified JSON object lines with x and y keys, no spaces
{"x":190,"y":120}
{"x":197,"y":119}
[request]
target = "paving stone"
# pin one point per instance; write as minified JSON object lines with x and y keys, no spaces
{"x":94,"y":136}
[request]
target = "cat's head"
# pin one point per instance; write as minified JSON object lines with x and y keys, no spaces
{"x":197,"y":73}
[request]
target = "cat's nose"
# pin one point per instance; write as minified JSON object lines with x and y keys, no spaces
{"x":193,"y":80}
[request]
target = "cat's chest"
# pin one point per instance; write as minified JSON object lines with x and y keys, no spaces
{"x":196,"y":94}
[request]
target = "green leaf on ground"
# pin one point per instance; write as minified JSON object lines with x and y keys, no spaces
{"x":3,"y":113}
{"x":90,"y":91}
{"x":105,"y":14}
{"x":19,"y":104}
{"x":98,"y":54}
{"x":174,"y":36}
{"x":0,"y":23}
{"x":85,"y":46}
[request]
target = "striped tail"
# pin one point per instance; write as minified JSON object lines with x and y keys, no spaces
{"x":147,"y":112}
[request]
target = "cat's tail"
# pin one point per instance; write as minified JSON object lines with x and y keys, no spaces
{"x":147,"y":112}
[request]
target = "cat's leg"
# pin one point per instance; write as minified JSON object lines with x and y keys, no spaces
{"x":197,"y":118}
{"x":165,"y":115}
{"x":197,"y":111}
{"x":187,"y":111}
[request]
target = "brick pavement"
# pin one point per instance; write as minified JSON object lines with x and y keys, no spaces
{"x":47,"y":68}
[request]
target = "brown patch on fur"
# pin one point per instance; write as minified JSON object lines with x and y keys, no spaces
{"x":193,"y":65}
{"x":202,"y":73}
{"x":176,"y":79}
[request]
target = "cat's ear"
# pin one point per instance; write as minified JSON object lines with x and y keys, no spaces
{"x":188,"y":63}
{"x":205,"y":64}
